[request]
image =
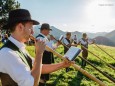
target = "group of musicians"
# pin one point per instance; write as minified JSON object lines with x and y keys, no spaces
{"x":17,"y":68}
{"x":68,"y":41}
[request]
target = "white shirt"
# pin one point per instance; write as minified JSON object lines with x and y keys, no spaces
{"x":65,"y":41}
{"x":83,"y":42}
{"x":11,"y":63}
{"x":47,"y":42}
{"x":75,"y":40}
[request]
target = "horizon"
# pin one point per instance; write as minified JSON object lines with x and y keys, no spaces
{"x":77,"y":30}
{"x":74,"y":15}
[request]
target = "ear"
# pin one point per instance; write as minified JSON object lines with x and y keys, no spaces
{"x":20,"y":27}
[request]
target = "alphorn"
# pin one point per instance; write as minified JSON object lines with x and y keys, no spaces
{"x":60,"y":41}
{"x":110,"y":78}
{"x":99,"y":58}
{"x":74,"y":65}
{"x":106,"y":75}
{"x":105,"y":51}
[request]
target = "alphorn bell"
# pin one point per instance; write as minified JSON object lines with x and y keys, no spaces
{"x":74,"y":65}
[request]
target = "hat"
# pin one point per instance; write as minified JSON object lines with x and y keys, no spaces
{"x":19,"y":15}
{"x":68,"y":33}
{"x":84,"y":34}
{"x":45,"y":26}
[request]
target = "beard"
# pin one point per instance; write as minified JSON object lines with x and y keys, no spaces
{"x":26,"y":37}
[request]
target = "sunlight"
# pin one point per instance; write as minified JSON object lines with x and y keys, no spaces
{"x":99,"y":12}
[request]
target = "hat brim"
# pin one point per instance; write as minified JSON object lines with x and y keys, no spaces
{"x":6,"y":26}
{"x":50,"y":29}
{"x":45,"y":29}
{"x":34,"y":22}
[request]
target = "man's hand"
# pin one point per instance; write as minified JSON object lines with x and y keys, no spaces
{"x":40,"y":46}
{"x":67,"y":63}
{"x":52,"y":37}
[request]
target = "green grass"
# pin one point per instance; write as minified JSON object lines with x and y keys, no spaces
{"x":75,"y":78}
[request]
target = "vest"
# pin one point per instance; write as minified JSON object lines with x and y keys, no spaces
{"x":65,"y":48}
{"x":86,"y":45}
{"x":6,"y":80}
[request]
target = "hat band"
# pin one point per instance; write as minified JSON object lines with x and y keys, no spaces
{"x":19,"y":19}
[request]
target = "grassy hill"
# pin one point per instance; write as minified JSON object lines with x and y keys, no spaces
{"x":75,"y":78}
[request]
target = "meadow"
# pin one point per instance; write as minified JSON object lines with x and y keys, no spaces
{"x":74,"y":77}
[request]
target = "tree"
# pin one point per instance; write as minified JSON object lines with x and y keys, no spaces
{"x":5,"y":7}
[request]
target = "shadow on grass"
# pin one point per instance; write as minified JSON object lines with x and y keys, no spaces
{"x":77,"y":80}
{"x":96,"y":62}
{"x":113,"y":64}
{"x":57,"y":80}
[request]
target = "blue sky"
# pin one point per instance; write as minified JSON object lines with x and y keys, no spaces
{"x":74,"y":15}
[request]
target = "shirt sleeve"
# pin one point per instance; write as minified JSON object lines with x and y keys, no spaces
{"x":50,"y":44}
{"x":12,"y":64}
{"x":41,"y":38}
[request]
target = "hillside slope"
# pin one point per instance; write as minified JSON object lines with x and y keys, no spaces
{"x":111,"y":35}
{"x":104,"y":41}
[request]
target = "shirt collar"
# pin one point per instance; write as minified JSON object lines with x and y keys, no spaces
{"x":17,"y":43}
{"x":43,"y":35}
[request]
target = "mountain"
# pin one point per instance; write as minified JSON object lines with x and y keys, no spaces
{"x":103,"y":38}
{"x":55,"y":31}
{"x":79,"y":34}
{"x":104,"y":41}
{"x":93,"y":35}
{"x":111,"y":35}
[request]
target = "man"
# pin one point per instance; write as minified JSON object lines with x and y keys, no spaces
{"x":16,"y":68}
{"x":75,"y":39}
{"x":47,"y":55}
{"x":84,"y":41}
{"x":67,"y":42}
